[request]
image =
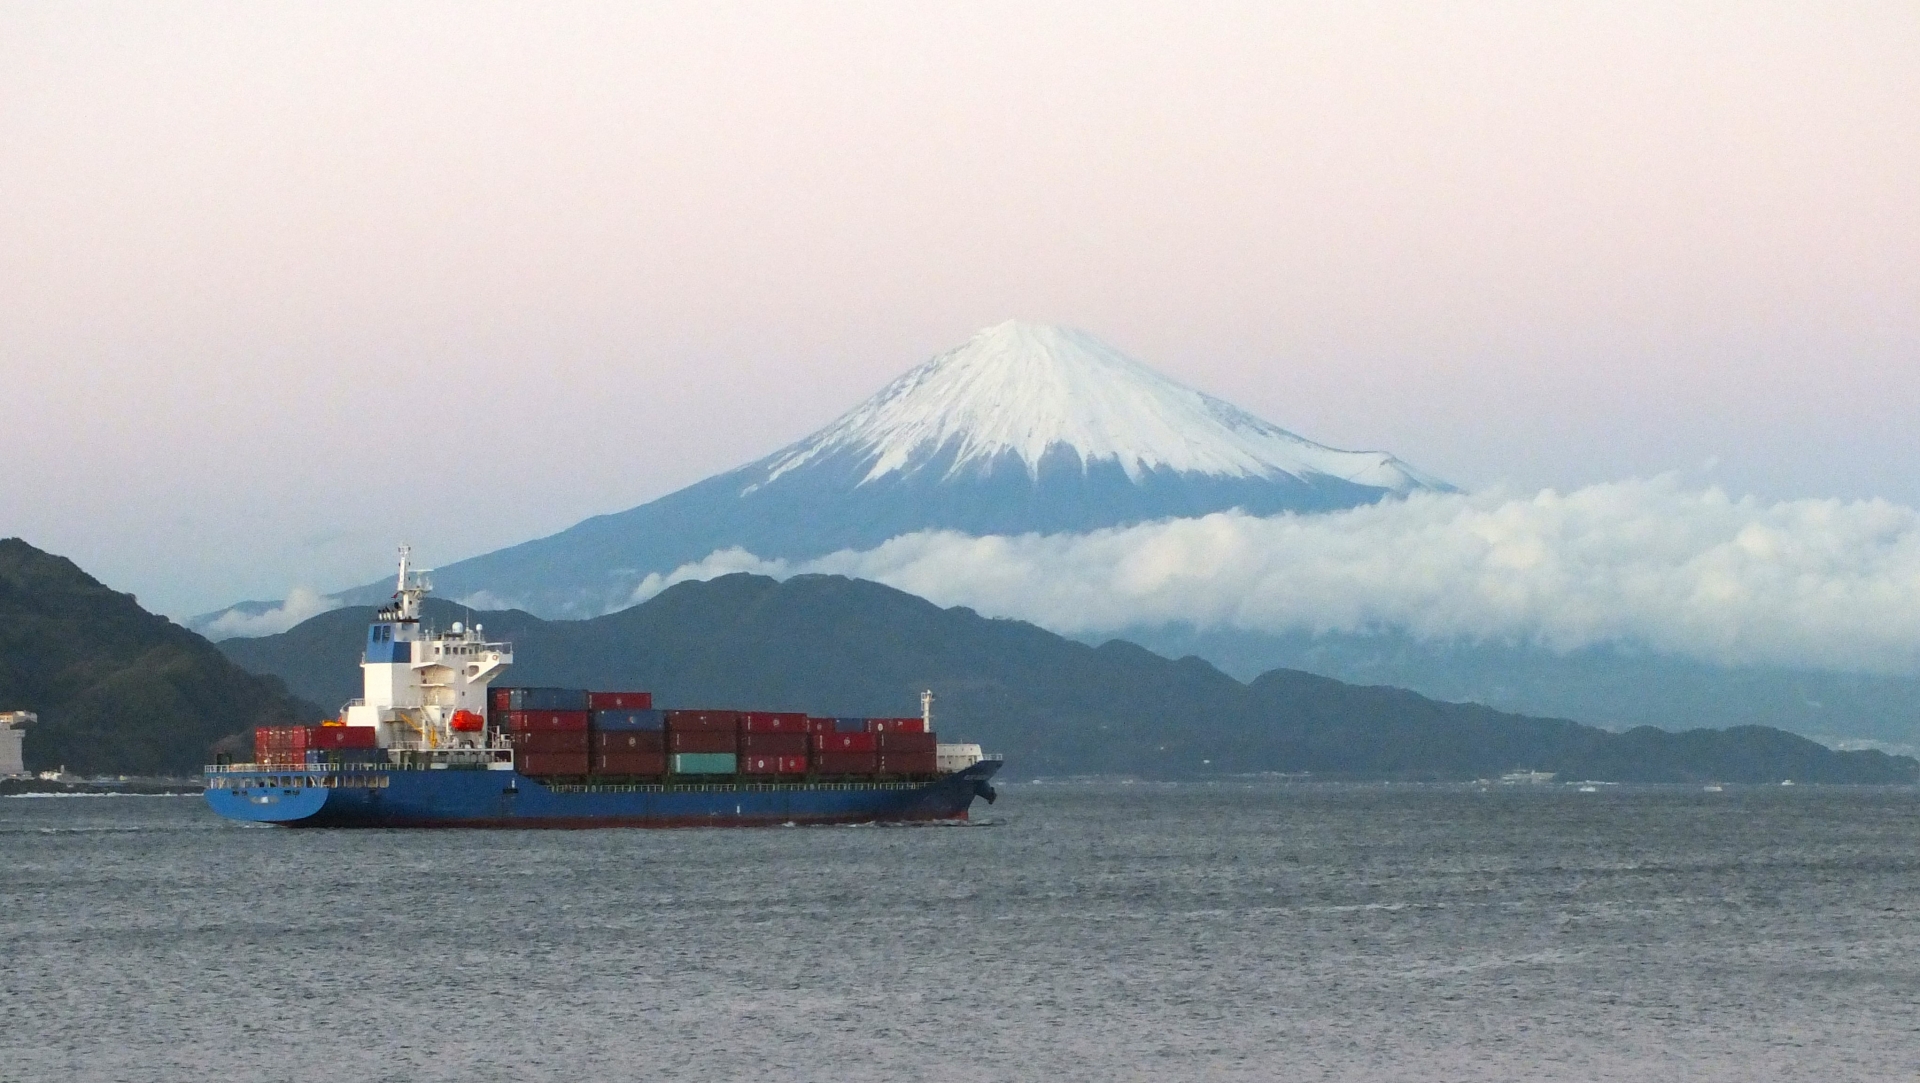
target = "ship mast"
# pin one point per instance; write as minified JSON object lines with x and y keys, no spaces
{"x":410,"y":588}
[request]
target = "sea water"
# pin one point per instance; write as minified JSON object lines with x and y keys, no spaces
{"x":1102,"y":931}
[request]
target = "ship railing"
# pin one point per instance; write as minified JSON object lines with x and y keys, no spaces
{"x":277,"y":768}
{"x":292,"y":768}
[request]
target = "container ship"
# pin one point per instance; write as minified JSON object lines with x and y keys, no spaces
{"x":433,"y":743}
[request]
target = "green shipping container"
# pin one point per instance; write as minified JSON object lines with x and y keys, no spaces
{"x":705,"y":763}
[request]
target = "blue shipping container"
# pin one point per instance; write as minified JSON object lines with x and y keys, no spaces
{"x":547,"y":699}
{"x":849,"y":725}
{"x":629,"y":721}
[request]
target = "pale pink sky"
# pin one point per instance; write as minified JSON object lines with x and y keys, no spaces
{"x":279,"y":287}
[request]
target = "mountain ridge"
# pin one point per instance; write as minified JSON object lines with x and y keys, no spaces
{"x":836,"y":646}
{"x":118,"y":690}
{"x":1608,"y":685}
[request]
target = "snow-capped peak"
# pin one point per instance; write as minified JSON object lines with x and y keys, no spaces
{"x":1025,"y":389}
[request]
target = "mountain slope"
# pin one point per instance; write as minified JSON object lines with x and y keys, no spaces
{"x":831,"y":645}
{"x":118,"y":690}
{"x":1024,"y":428}
{"x":1608,"y":685}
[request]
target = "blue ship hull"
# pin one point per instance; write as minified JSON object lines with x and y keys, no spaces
{"x":383,"y":796}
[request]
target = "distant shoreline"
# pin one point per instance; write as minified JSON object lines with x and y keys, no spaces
{"x":137,"y":787}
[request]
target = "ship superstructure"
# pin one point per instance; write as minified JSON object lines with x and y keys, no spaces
{"x":425,"y":691}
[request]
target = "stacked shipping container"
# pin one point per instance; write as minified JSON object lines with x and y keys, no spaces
{"x":704,"y":742}
{"x":560,"y":731}
{"x":566,"y":731}
{"x":281,"y":746}
{"x":334,"y":745}
{"x":627,"y":740}
{"x":294,"y":746}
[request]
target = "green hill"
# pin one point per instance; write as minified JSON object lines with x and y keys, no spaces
{"x":118,"y":690}
{"x":830,"y":645}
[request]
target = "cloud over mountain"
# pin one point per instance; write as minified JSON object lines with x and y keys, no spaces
{"x":1653,"y":563}
{"x":241,"y":621}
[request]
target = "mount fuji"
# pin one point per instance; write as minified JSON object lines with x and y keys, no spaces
{"x":1023,"y":428}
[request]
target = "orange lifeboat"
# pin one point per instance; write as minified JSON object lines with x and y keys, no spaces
{"x":467,"y":722}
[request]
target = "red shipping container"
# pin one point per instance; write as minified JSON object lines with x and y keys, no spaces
{"x":629,"y":763}
{"x":282,"y":736}
{"x":626,"y":741}
{"x":906,"y":742}
{"x":908,"y":763}
{"x":773,"y":765}
{"x":547,"y":720}
{"x":502,"y":698}
{"x":819,"y":725}
{"x":774,"y":744}
{"x":896,"y":725}
{"x":702,"y":741}
{"x":704,"y":721}
{"x":281,"y":744}
{"x":845,"y":742}
{"x":773,"y":722}
{"x":846,"y":763}
{"x":343,"y":737}
{"x":550,"y":763}
{"x":615,"y":701}
{"x":550,"y":741}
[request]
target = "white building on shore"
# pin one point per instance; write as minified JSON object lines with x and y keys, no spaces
{"x":11,"y":738}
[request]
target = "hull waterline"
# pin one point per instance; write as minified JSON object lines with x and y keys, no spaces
{"x":349,"y":797}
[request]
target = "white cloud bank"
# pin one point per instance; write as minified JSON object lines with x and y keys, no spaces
{"x":299,"y":605}
{"x":1815,"y":583}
